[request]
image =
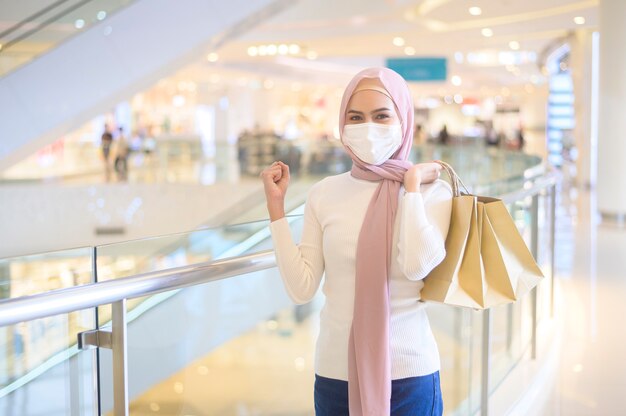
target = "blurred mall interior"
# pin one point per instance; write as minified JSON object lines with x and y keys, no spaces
{"x":133,"y":134}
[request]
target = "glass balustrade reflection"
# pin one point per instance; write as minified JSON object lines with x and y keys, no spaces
{"x":41,"y":370}
{"x":37,"y":273}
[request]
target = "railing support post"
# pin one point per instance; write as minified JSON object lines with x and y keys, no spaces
{"x":486,"y":355}
{"x":552,"y":245}
{"x":534,"y":244}
{"x":115,"y":340}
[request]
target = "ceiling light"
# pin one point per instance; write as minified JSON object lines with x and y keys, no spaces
{"x":456,"y":80}
{"x":514,"y":45}
{"x":398,"y":41}
{"x":101,"y":15}
{"x":283,"y":49}
{"x":487,"y":32}
{"x":409,"y":50}
{"x":79,"y":24}
{"x":272,"y":49}
{"x":475,"y":11}
{"x":311,"y":55}
{"x":458,"y":98}
{"x":294,"y":49}
{"x":253,"y":51}
{"x":212,"y":57}
{"x":579,"y":20}
{"x":262,"y":50}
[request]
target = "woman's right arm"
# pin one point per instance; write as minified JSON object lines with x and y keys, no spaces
{"x":301,"y":266}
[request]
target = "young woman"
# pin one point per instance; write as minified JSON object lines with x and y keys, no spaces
{"x":375,"y":232}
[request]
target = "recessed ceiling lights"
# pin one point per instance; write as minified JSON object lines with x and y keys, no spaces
{"x":456,"y":80}
{"x":272,"y":49}
{"x":398,"y":41}
{"x":212,"y":57}
{"x":294,"y":49}
{"x":514,"y":45}
{"x":475,"y":11}
{"x":579,"y":20}
{"x":79,"y":23}
{"x":487,"y":32}
{"x":458,"y":98}
{"x":409,"y":50}
{"x":253,"y":51}
{"x":283,"y":49}
{"x":311,"y":55}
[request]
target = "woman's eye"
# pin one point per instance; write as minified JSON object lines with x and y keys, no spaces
{"x":382,"y":116}
{"x":355,"y":118}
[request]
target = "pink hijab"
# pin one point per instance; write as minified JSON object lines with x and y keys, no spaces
{"x":369,"y":364}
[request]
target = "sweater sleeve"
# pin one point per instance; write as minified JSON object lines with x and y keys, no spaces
{"x":301,"y":266}
{"x":423,"y":229}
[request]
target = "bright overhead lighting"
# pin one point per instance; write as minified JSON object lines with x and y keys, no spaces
{"x":294,"y":49}
{"x":101,"y":15}
{"x":456,"y":80}
{"x":409,"y":50}
{"x":79,"y":24}
{"x":253,"y":51}
{"x":458,"y":98}
{"x":212,"y":57}
{"x":398,"y":41}
{"x":487,"y":32}
{"x":272,"y":49}
{"x":283,"y":49}
{"x":311,"y":55}
{"x":475,"y":11}
{"x":514,"y":45}
{"x":579,"y":20}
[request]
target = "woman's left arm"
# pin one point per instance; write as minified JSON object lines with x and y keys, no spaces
{"x":424,"y":223}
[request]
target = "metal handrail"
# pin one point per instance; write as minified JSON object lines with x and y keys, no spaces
{"x":86,"y":296}
{"x":72,"y":299}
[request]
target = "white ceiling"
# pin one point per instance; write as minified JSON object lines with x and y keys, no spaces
{"x":351,"y":34}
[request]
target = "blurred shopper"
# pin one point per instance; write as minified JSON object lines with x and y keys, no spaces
{"x":444,"y":136}
{"x":419,"y":136}
{"x":122,"y":150}
{"x":106,"y":142}
{"x":519,"y":138}
{"x":375,"y":232}
{"x":491,"y":137}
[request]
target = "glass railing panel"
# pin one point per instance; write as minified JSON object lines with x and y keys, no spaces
{"x":458,"y":334}
{"x":42,"y":372}
{"x":512,"y":323}
{"x":38,"y":31}
{"x":233,"y":346}
{"x":38,"y":273}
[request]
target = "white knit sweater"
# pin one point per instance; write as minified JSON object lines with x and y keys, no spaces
{"x":333,"y":217}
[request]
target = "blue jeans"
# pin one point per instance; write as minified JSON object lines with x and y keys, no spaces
{"x":414,"y":396}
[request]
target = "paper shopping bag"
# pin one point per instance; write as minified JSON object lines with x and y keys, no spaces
{"x":487,"y":262}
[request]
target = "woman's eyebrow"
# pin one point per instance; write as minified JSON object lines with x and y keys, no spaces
{"x":373,"y":111}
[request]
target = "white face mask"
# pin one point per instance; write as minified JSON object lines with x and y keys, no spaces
{"x":373,"y":143}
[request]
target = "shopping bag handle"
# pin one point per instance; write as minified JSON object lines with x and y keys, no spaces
{"x":455,"y":180}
